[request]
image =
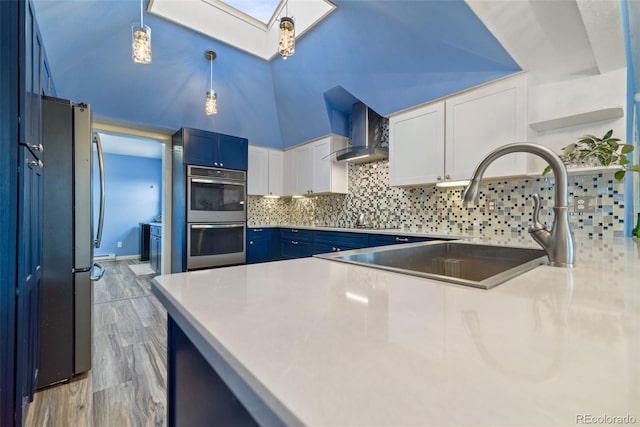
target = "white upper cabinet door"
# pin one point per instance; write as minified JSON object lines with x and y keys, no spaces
{"x":416,"y":146}
{"x":276,"y":173}
{"x":290,"y":173}
{"x":304,"y":169}
{"x":481,"y":120}
{"x":258,"y":171}
{"x":321,"y":166}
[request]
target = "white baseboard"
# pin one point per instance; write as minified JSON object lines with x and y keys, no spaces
{"x":106,"y":257}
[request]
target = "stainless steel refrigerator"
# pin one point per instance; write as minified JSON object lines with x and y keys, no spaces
{"x":66,"y":294}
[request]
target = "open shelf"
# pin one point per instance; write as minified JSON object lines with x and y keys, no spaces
{"x":578,"y":119}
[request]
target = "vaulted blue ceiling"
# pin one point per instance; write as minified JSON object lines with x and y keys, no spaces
{"x":390,"y":54}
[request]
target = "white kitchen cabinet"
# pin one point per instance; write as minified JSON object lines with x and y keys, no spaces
{"x":481,"y":120}
{"x":444,"y":141}
{"x":290,"y":173}
{"x":276,"y":173}
{"x":315,"y":171}
{"x":265,"y":172}
{"x":416,"y":151}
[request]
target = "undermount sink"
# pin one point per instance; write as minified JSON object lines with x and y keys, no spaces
{"x":480,"y":266}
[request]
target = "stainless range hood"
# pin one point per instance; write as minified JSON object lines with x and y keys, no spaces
{"x":366,"y":137}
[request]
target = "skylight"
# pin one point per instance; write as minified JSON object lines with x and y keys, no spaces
{"x":249,"y":25}
{"x":262,"y":10}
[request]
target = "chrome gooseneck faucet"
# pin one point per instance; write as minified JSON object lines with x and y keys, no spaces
{"x":557,"y":242}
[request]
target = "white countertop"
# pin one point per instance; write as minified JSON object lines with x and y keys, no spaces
{"x":327,"y":343}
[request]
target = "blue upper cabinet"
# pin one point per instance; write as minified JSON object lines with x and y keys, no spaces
{"x":212,"y":149}
{"x":233,"y":152}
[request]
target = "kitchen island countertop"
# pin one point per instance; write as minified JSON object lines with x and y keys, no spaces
{"x":317,"y":342}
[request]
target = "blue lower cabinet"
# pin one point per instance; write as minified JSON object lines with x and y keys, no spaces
{"x":262,"y":245}
{"x":295,"y":249}
{"x":384,"y":240}
{"x":341,"y":239}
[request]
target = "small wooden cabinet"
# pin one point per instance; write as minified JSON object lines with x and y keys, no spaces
{"x":155,"y":248}
{"x":204,"y":148}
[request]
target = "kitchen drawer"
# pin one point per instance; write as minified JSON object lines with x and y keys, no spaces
{"x":322,"y":248}
{"x":297,"y":235}
{"x":342,"y":239}
{"x":383,"y":239}
{"x":295,"y":248}
{"x":260,"y":233}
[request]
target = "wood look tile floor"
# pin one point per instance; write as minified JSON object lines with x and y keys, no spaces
{"x":127,"y":384}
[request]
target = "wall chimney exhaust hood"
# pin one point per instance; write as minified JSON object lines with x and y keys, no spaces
{"x":366,"y":137}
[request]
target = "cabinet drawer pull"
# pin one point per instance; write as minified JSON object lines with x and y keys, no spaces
{"x":294,"y":230}
{"x":402,"y":239}
{"x":257,"y":230}
{"x":36,"y":163}
{"x":293,"y":242}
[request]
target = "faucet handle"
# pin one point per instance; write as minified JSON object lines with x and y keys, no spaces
{"x":536,"y":225}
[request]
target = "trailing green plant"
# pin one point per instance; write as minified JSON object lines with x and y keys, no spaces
{"x":607,"y":151}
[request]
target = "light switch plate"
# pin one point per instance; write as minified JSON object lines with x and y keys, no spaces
{"x":491,"y":205}
{"x":585,"y":204}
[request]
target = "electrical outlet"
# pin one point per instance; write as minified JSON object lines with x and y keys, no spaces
{"x":585,"y":204}
{"x":119,"y":244}
{"x":491,"y":205}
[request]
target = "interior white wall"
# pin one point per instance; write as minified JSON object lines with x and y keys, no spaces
{"x":580,"y":94}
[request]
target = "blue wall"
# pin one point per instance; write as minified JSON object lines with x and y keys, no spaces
{"x":133,"y":189}
{"x":389,"y":54}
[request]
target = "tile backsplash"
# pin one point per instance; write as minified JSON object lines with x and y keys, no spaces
{"x":441,"y":210}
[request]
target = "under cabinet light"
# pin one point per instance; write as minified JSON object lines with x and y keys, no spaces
{"x":445,"y":184}
{"x":271,"y":196}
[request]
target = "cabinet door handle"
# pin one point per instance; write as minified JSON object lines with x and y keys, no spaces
{"x":37,"y":147}
{"x":439,"y":178}
{"x":402,"y":239}
{"x":338,"y":249}
{"x":221,"y":164}
{"x":447,"y":176}
{"x":333,"y":249}
{"x":293,"y":242}
{"x":36,"y":164}
{"x":251,"y":242}
{"x":215,"y":163}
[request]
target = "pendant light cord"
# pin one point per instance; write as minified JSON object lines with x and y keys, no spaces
{"x":141,"y":15}
{"x":211,"y":75}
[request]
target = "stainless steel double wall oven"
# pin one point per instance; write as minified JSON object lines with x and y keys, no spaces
{"x":216,"y":217}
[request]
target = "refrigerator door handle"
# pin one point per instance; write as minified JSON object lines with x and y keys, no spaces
{"x":98,"y":240}
{"x":97,"y":271}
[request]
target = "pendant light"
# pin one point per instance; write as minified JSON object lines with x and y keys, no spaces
{"x":141,"y":41}
{"x":211,"y":104}
{"x":287,"y":43}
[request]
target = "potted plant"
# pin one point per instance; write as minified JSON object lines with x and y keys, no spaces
{"x":591,"y":150}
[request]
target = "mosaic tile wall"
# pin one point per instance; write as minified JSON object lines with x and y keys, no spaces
{"x":441,"y":210}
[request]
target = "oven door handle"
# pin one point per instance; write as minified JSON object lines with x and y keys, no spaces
{"x":200,"y":226}
{"x":216,"y":181}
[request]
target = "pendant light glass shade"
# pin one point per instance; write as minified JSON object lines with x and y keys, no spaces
{"x":141,"y":40}
{"x":287,"y":44}
{"x":141,"y":44}
{"x":211,"y":103}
